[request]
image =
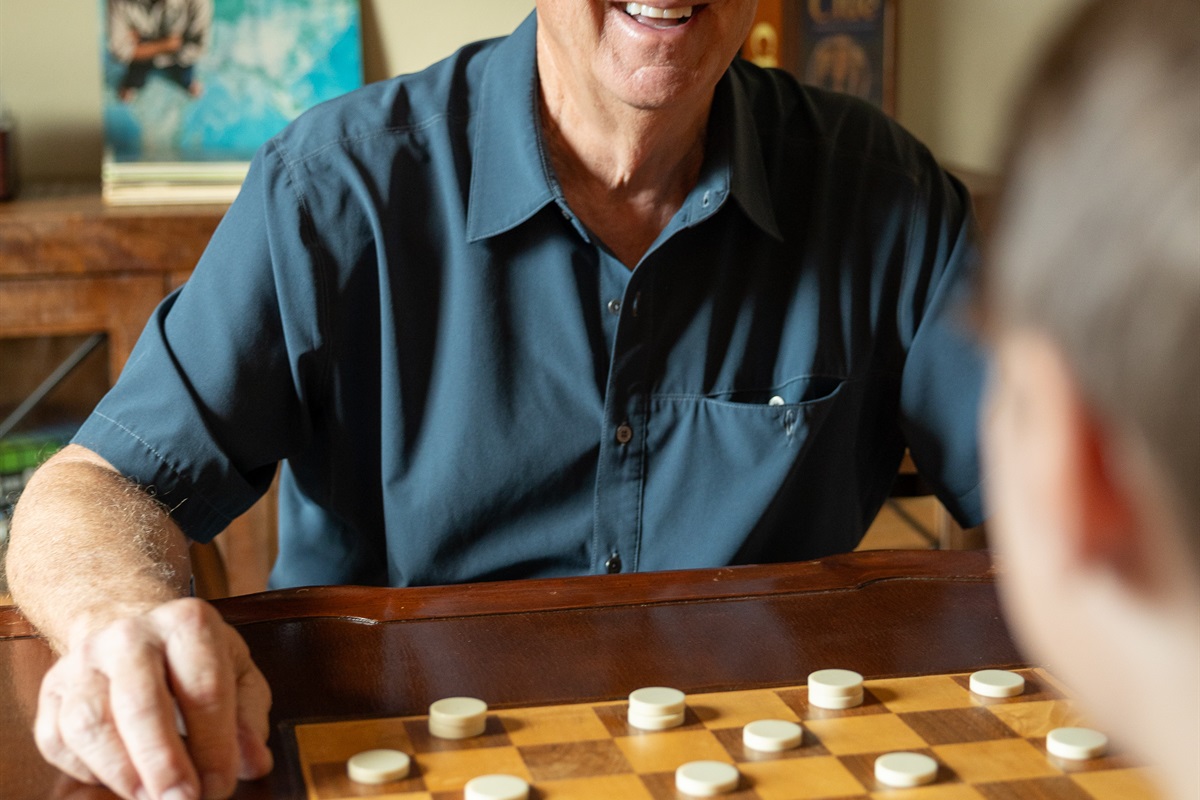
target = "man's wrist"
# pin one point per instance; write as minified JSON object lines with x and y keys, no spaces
{"x":87,"y":622}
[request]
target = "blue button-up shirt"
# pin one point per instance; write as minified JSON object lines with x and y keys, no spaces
{"x":463,"y":383}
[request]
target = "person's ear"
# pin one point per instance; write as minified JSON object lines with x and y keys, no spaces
{"x":1100,"y":505}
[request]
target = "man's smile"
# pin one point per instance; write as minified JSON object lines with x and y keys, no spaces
{"x":656,"y":17}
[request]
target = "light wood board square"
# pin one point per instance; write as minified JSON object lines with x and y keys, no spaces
{"x":865,"y":734}
{"x":1003,"y":759}
{"x":927,"y":693}
{"x":451,"y":770}
{"x":339,"y":740}
{"x":729,"y":709}
{"x":953,"y":791}
{"x":664,"y":752}
{"x":545,"y":725}
{"x":801,"y":780}
{"x":1119,"y":784}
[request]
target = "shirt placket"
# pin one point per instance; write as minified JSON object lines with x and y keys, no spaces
{"x":620,"y":473}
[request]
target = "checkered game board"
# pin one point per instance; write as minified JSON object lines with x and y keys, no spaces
{"x":985,"y":748}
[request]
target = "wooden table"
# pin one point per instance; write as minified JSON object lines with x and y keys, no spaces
{"x":340,"y":651}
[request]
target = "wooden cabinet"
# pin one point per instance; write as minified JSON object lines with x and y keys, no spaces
{"x":71,"y":265}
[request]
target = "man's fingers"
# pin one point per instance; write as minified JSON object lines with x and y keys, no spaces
{"x":253,"y":708}
{"x":49,"y":741}
{"x":86,"y":726}
{"x":202,"y":679}
{"x":143,"y":712}
{"x":109,"y":711}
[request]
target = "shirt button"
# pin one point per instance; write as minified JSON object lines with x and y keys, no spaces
{"x":706,"y":199}
{"x":624,"y":433}
{"x":614,"y":307}
{"x":613,"y":564}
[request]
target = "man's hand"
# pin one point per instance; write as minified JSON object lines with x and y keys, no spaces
{"x":110,"y":710}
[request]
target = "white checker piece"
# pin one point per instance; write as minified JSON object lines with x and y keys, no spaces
{"x":997,"y":683}
{"x":378,"y":766}
{"x":655,"y":723}
{"x":1076,"y":744}
{"x":835,"y":682}
{"x":772,"y":735}
{"x":905,"y":770}
{"x":457,"y":717}
{"x":496,"y":787}
{"x":835,"y":689}
{"x":656,"y":701}
{"x":706,"y":778}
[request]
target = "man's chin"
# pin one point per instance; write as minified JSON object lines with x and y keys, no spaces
{"x":661,"y":88}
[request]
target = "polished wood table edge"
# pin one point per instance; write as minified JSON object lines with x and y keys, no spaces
{"x":374,"y":605}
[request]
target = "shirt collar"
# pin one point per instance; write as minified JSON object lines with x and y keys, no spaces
{"x":749,"y":184}
{"x":511,"y":179}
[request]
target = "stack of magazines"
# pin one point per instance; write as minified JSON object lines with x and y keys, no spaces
{"x":192,"y":88}
{"x":159,"y":182}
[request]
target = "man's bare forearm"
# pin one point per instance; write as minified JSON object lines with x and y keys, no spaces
{"x":87,"y":546}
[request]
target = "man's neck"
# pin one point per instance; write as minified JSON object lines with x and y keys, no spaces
{"x":624,"y":171}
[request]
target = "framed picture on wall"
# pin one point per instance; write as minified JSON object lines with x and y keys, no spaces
{"x":842,"y":45}
{"x":192,"y":88}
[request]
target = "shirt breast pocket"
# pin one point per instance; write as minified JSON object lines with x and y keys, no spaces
{"x":715,"y":462}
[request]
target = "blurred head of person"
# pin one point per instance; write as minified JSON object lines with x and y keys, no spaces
{"x":1091,"y":295}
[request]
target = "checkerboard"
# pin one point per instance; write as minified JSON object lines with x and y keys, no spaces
{"x":985,"y":748}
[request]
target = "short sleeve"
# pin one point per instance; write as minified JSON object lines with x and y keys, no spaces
{"x":211,"y":397}
{"x":944,"y":371}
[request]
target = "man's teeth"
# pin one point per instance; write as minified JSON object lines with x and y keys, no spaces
{"x":644,"y":10}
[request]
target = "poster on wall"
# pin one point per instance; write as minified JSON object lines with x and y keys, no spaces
{"x":842,"y":45}
{"x":192,"y":88}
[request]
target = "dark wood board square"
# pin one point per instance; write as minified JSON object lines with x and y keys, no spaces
{"x":797,"y":700}
{"x":1058,"y":788}
{"x":731,"y":740}
{"x":862,"y":767}
{"x":330,"y":780}
{"x":548,"y":762}
{"x":661,"y":786}
{"x":616,"y":722}
{"x":957,"y":725}
{"x":423,"y":741}
{"x":1036,"y":688}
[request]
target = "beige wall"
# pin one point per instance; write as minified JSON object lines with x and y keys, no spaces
{"x":960,"y":61}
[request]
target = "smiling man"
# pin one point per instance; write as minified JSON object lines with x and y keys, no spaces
{"x":592,"y":298}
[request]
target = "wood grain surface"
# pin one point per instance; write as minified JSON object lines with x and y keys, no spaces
{"x":348,"y":652}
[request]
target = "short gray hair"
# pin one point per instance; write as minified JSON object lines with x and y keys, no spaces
{"x":1098,"y":239}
